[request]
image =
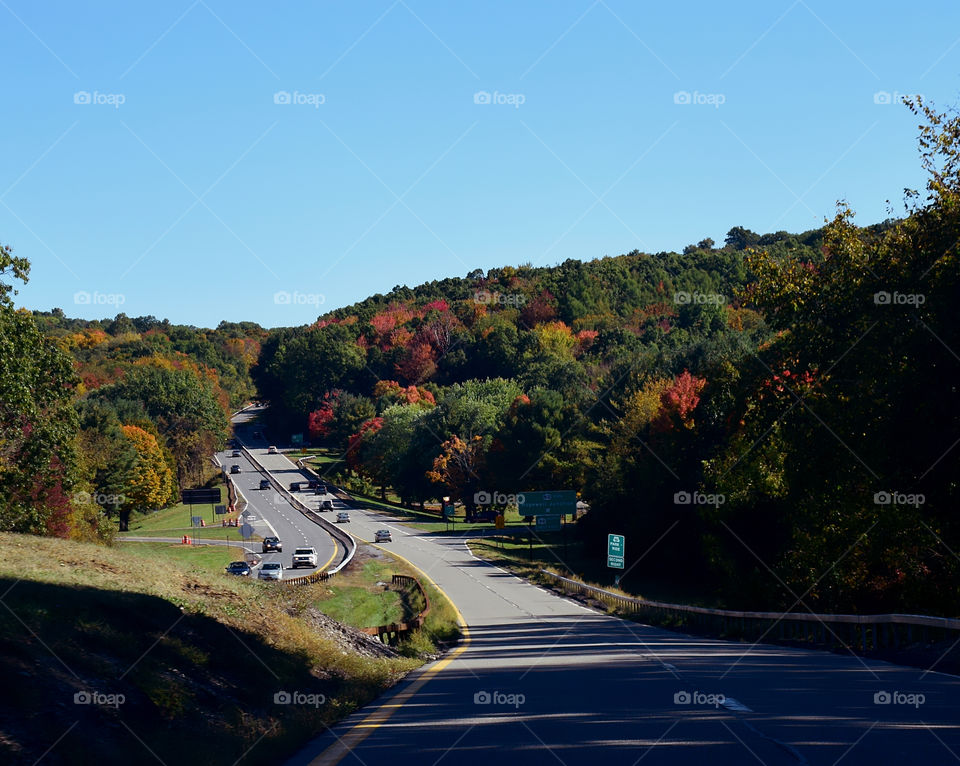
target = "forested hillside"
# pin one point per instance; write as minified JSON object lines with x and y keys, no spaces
{"x":783,"y":402}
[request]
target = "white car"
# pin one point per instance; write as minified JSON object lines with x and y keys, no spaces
{"x":304,"y":557}
{"x":272,"y":451}
{"x":382,"y":536}
{"x":271,"y":570}
{"x":343,"y":516}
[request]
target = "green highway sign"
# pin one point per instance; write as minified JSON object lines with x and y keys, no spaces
{"x":549,"y":523}
{"x":559,"y":502}
{"x":616,"y":545}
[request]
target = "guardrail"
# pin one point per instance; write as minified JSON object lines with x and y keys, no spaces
{"x":861,"y":632}
{"x":339,"y":534}
{"x":340,"y":494}
{"x":397,"y":630}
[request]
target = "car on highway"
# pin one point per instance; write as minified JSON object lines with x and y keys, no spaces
{"x":272,"y":544}
{"x":272,"y":450}
{"x":234,"y":468}
{"x":271,"y":570}
{"x":304,"y":557}
{"x":235,"y":453}
{"x":326,"y":505}
{"x":239,"y":568}
{"x":264,"y":483}
{"x":320,"y":489}
{"x":342,"y":517}
{"x":313,"y":483}
{"x":294,"y":486}
{"x":382,"y":536}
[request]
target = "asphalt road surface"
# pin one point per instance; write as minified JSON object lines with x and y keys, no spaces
{"x":269,"y":512}
{"x":544,"y":680}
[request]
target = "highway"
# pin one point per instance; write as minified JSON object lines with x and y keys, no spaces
{"x":541,"y":679}
{"x":269,"y":512}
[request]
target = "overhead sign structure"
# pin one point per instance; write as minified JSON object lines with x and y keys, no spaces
{"x":616,"y":545}
{"x":561,"y":502}
{"x":200,"y":496}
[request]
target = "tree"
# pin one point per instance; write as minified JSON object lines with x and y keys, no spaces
{"x":150,"y":484}
{"x":459,"y":467}
{"x":740,"y":238}
{"x":37,"y":421}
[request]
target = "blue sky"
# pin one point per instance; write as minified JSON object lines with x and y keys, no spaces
{"x":218,"y":160}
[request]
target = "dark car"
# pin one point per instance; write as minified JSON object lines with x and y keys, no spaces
{"x":234,"y":468}
{"x":239,"y":568}
{"x":272,"y":544}
{"x":294,"y":486}
{"x":313,"y":484}
{"x":264,"y":483}
{"x":326,"y":505}
{"x":321,"y":489}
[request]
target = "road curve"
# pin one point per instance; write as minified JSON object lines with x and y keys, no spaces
{"x":545,"y":680}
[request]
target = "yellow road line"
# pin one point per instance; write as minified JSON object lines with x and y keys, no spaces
{"x":336,"y":548}
{"x":359,"y":732}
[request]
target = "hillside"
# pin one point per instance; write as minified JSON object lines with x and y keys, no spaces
{"x":170,"y":660}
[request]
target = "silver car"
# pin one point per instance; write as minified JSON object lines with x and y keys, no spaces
{"x":271,"y":570}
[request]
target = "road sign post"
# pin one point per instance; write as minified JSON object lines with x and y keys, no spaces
{"x":616,"y":546}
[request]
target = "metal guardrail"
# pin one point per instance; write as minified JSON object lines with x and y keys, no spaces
{"x":397,"y":630}
{"x":339,"y":534}
{"x":862,"y":632}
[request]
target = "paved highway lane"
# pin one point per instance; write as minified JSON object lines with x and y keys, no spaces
{"x":545,"y":680}
{"x":271,"y":513}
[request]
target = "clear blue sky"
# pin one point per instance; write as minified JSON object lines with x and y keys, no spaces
{"x":199,"y":198}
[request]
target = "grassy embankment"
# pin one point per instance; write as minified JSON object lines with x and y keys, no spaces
{"x":196,"y":655}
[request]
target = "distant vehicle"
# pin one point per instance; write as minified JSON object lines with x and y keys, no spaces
{"x":264,"y":483}
{"x":272,"y":450}
{"x":382,"y":536}
{"x":304,"y":557}
{"x":236,"y":453}
{"x":326,"y":505}
{"x":321,"y":489}
{"x":239,"y":568}
{"x":272,"y":544}
{"x":343,"y":516}
{"x":294,"y":486}
{"x":272,"y":570}
{"x":234,"y":468}
{"x":313,"y":483}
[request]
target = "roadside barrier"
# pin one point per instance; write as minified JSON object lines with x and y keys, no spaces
{"x":338,"y":533}
{"x":861,"y":632}
{"x":396,"y":631}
